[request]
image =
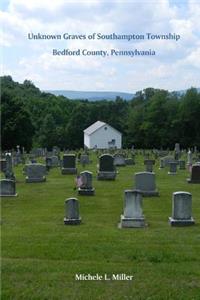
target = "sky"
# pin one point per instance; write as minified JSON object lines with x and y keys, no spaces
{"x":176,"y":65}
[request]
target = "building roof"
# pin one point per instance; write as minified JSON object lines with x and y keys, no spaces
{"x":95,"y":126}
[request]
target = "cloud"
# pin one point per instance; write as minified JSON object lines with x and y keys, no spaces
{"x":193,"y":58}
{"x":32,"y":59}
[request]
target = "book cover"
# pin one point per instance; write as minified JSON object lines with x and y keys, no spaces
{"x":100,"y":139}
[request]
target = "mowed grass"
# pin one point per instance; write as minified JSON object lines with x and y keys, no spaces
{"x":41,"y":256}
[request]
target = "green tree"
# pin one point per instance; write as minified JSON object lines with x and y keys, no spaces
{"x":16,"y":125}
{"x":189,"y":121}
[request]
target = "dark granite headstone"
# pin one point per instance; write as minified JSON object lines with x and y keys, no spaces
{"x":69,"y":164}
{"x":106,"y":163}
{"x":72,"y":212}
{"x":86,"y":186}
{"x":3,"y":165}
{"x":7,"y":188}
{"x":35,"y":173}
{"x":195,"y":174}
{"x":106,"y":167}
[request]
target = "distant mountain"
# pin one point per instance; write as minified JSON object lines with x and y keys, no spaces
{"x":182,"y":92}
{"x":97,"y":96}
{"x":91,"y":96}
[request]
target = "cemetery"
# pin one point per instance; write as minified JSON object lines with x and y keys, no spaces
{"x":67,"y":213}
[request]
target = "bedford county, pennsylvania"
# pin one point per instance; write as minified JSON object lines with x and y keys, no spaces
{"x":103,"y":53}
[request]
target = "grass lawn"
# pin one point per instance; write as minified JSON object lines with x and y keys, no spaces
{"x":41,"y":256}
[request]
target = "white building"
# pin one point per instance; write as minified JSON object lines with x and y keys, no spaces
{"x":102,"y":136}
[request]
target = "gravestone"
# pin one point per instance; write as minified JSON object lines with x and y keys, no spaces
{"x":55,"y":161}
{"x":7,"y":188}
{"x":163,"y":153}
{"x":86,"y":186}
{"x":84,"y":159}
{"x":69,"y":164}
{"x":55,"y":151}
{"x":3,"y":165}
{"x":35,"y":173}
{"x":48,"y":161}
{"x":9,"y":174}
{"x":133,"y":216}
{"x":181,"y":164}
{"x":181,"y":209}
{"x":149,"y":163}
{"x":72,"y":212}
{"x":145,"y":182}
{"x":177,"y":151}
{"x":167,"y":160}
{"x":162,"y":164}
{"x":195,"y":174}
{"x":129,"y":161}
{"x":172,"y":168}
{"x":18,"y":158}
{"x":119,"y":160}
{"x":189,"y":158}
{"x":177,"y":147}
{"x":107,"y":169}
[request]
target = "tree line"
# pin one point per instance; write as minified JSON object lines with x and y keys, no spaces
{"x":154,"y":118}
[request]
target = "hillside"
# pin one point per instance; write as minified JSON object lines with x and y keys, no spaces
{"x":153,"y":119}
{"x":91,"y":95}
{"x":98,"y":95}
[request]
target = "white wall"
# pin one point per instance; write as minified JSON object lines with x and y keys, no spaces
{"x":87,"y":140}
{"x":102,"y":136}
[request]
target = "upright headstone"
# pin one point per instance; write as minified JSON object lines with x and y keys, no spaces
{"x":3,"y":165}
{"x":177,"y":151}
{"x":86,"y":184}
{"x":181,"y":209}
{"x":35,"y":173}
{"x":55,"y":151}
{"x":167,"y":160}
{"x":72,"y":216}
{"x":133,"y":216}
{"x":55,"y":161}
{"x":119,"y":160}
{"x":9,"y":174}
{"x":107,"y":169}
{"x":189,"y":158}
{"x":149,"y":163}
{"x":7,"y":188}
{"x":146,"y":183}
{"x":18,"y":156}
{"x":195,"y":174}
{"x":69,"y":164}
{"x":162,"y":164}
{"x":172,"y":168}
{"x":48,"y":163}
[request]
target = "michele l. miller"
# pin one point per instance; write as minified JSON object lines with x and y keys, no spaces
{"x":103,"y":277}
